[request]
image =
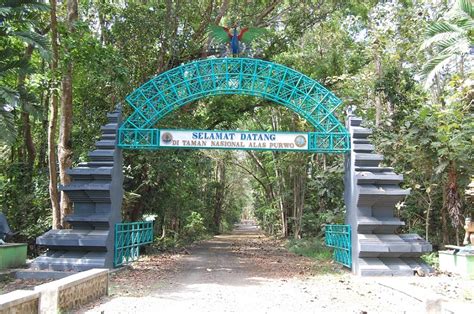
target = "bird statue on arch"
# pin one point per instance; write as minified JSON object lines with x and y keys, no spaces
{"x":234,"y":37}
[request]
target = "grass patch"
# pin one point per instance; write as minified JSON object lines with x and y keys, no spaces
{"x":312,"y":248}
{"x":315,"y":249}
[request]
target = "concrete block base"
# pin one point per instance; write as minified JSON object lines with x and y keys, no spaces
{"x":41,"y":274}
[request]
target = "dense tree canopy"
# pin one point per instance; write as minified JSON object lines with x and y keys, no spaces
{"x":82,"y":57}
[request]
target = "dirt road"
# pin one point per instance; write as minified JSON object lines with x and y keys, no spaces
{"x":246,"y":272}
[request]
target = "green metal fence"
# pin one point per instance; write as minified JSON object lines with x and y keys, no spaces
{"x":129,"y":237}
{"x":339,"y":238}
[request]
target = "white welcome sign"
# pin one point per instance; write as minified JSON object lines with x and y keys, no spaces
{"x":233,"y":140}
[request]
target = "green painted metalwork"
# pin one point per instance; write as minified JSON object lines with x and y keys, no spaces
{"x":317,"y":141}
{"x":338,"y":237}
{"x":177,"y":87}
{"x":128,"y":239}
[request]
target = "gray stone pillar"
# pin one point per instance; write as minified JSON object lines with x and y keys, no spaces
{"x":371,"y":193}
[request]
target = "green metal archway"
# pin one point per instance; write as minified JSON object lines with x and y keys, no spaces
{"x":177,"y":87}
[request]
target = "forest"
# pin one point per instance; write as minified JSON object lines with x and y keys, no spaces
{"x":405,"y":66}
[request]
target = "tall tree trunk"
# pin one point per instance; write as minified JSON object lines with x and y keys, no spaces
{"x":30,"y":145}
{"x":25,"y":116}
{"x":280,"y":183}
{"x":378,"y":96}
{"x":444,"y":222}
{"x":43,"y":145}
{"x":104,"y":35}
{"x":428,"y":212}
{"x":281,"y":205}
{"x":220,"y":189}
{"x":438,"y":91}
{"x":262,"y":169}
{"x":52,"y":126}
{"x":65,"y":129}
{"x":453,"y":199}
{"x":298,"y":195}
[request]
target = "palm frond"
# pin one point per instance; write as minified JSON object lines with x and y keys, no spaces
{"x":462,"y":10}
{"x":40,"y":42}
{"x":433,"y":67}
{"x":435,"y":39}
{"x":11,"y":8}
{"x":466,"y":24}
{"x":22,"y":4}
{"x":8,"y":96}
{"x":7,"y":125}
{"x":5,"y":11}
{"x":37,"y":6}
{"x":456,"y":46}
{"x":466,"y":7}
{"x":218,"y":33}
{"x":442,"y":27}
{"x":8,"y":102}
{"x":9,"y":67}
{"x":29,"y":103}
{"x":5,"y":150}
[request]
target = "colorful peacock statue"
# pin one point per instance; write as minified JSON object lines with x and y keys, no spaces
{"x":230,"y":35}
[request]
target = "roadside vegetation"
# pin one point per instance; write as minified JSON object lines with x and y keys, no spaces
{"x":405,"y":65}
{"x":310,"y":247}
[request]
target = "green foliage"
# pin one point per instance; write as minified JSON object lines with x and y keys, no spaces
{"x":268,"y":218}
{"x":448,"y":40}
{"x":18,"y":20}
{"x":194,"y":229}
{"x":25,"y":201}
{"x":311,"y":247}
{"x":431,"y":259}
{"x":166,"y":243}
{"x":428,"y":142}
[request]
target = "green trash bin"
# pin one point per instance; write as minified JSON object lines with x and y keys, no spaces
{"x":458,"y":262}
{"x":12,"y":255}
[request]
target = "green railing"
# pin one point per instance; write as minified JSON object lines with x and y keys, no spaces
{"x":129,"y":237}
{"x":338,"y":237}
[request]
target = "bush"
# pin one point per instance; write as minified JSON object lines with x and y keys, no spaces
{"x":310,"y":247}
{"x":268,"y":218}
{"x":431,"y":259}
{"x":194,"y":230}
{"x":166,"y":243}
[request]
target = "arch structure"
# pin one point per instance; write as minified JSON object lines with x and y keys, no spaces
{"x":179,"y":86}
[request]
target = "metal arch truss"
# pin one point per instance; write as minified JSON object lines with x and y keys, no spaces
{"x":179,"y":86}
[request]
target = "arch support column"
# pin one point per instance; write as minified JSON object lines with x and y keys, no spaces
{"x":371,"y":193}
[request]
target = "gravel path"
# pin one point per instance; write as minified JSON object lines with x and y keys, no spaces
{"x":246,"y":272}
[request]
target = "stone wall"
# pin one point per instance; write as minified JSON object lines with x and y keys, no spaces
{"x":75,"y":295}
{"x":73,"y":291}
{"x":61,"y":295}
{"x":19,"y":301}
